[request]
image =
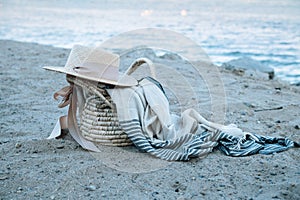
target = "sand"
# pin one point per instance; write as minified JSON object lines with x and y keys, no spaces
{"x":32,"y":167}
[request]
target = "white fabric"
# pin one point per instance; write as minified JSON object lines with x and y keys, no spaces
{"x":153,"y":110}
{"x":143,"y":112}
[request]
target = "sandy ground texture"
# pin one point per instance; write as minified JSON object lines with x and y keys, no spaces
{"x":32,"y":167}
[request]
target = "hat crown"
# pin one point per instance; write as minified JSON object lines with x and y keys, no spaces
{"x":94,"y":64}
{"x":98,"y":56}
{"x":80,"y":56}
{"x":77,"y":56}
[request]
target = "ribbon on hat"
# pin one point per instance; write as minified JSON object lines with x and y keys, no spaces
{"x":65,"y":93}
{"x":69,"y":95}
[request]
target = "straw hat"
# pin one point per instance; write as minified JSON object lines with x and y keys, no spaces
{"x":94,"y":64}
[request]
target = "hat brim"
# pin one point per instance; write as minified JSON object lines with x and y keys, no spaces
{"x":124,"y":80}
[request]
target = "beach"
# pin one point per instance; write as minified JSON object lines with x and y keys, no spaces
{"x":32,"y":167}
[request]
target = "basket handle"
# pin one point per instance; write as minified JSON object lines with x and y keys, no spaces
{"x":138,"y":62}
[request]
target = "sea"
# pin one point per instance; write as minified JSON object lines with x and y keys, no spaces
{"x":267,"y":31}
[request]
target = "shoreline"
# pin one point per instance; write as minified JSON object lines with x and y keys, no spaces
{"x":33,"y":167}
{"x":219,"y":64}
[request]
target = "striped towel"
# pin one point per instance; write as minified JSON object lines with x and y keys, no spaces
{"x":144,"y":115}
{"x":254,"y":143}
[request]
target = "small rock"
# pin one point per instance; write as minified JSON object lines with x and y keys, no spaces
{"x":202,"y":193}
{"x":284,"y":193}
{"x":244,"y":120}
{"x":239,"y":72}
{"x":176,"y":184}
{"x":3,"y":177}
{"x":52,"y":197}
{"x":243,"y":113}
{"x":18,"y":145}
{"x":91,"y":188}
{"x":278,"y":127}
{"x":250,"y":105}
{"x":273,"y":173}
{"x":292,"y":184}
{"x":278,"y":88}
{"x":277,"y":91}
{"x":35,"y":151}
{"x":297,"y":127}
{"x":61,"y":146}
{"x":4,"y":141}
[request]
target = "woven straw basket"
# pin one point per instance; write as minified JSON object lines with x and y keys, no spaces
{"x":98,"y":120}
